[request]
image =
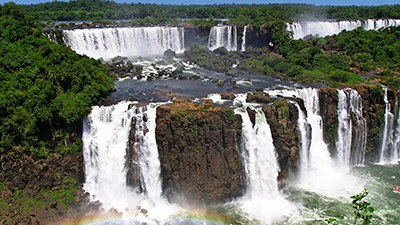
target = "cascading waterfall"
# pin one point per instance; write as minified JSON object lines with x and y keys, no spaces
{"x":350,"y":147}
{"x":305,"y":140}
{"x":223,"y":36}
{"x":146,"y":147}
{"x":344,"y":132}
{"x":325,"y":28}
{"x":105,"y":138}
{"x":396,"y":147}
{"x":107,"y":43}
{"x":105,"y":132}
{"x":244,"y":39}
{"x":320,"y":162}
{"x":322,"y":176}
{"x":359,"y":140}
{"x":387,"y":147}
{"x":263,"y":199}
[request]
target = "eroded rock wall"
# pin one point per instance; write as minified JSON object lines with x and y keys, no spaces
{"x":199,"y":150}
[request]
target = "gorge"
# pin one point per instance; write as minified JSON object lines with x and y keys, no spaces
{"x":246,"y":156}
{"x":175,"y":143}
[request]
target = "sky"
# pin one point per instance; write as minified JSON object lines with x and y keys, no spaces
{"x":212,"y":2}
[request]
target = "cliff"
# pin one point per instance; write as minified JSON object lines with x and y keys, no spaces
{"x":199,"y":152}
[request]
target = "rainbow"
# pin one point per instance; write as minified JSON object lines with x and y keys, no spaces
{"x":187,"y":217}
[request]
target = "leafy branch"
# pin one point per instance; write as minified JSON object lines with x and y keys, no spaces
{"x":362,"y":209}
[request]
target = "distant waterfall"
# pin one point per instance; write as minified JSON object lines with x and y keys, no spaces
{"x":325,"y":28}
{"x":350,"y":149}
{"x":244,"y":39}
{"x":125,"y":41}
{"x":223,"y":36}
{"x":387,"y":145}
{"x":263,"y":198}
{"x":105,"y":138}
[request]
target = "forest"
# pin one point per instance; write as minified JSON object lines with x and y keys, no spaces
{"x":45,"y":90}
{"x":105,"y":10}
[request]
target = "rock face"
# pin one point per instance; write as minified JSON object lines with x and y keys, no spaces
{"x":24,"y":180}
{"x":199,"y":152}
{"x":373,"y":111}
{"x":283,"y":120}
{"x":328,"y":98}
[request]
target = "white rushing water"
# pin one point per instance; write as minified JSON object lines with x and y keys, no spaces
{"x":305,"y":141}
{"x":344,"y":132}
{"x":105,"y":135}
{"x":322,"y":175}
{"x":263,"y":201}
{"x":359,"y":140}
{"x":387,"y":146}
{"x":325,"y":28}
{"x":350,"y":146}
{"x":396,"y":146}
{"x":107,"y":43}
{"x":244,"y":39}
{"x":223,"y":36}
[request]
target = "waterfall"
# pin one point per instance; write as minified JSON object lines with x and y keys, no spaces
{"x":105,"y":137}
{"x":107,"y":43}
{"x":146,"y":146}
{"x":244,"y":39}
{"x":305,"y":140}
{"x":263,"y":199}
{"x":105,"y":134}
{"x":359,"y":140}
{"x":344,"y":132}
{"x":387,"y":149}
{"x":396,"y":147}
{"x":325,"y":28}
{"x":320,"y":174}
{"x":350,"y":149}
{"x":223,"y":36}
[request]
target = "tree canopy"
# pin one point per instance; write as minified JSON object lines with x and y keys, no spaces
{"x":239,"y":14}
{"x":45,"y":88}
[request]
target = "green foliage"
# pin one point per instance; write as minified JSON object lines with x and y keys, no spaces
{"x":345,"y":77}
{"x":45,"y":88}
{"x":229,"y":115}
{"x":362,"y":209}
{"x":378,"y":92}
{"x":240,"y":14}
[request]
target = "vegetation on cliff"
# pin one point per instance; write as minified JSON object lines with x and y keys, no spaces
{"x":45,"y":91}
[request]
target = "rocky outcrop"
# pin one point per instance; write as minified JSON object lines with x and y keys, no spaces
{"x":328,"y":98}
{"x":199,"y":152}
{"x":37,"y":191}
{"x":283,"y":120}
{"x":373,"y":112}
